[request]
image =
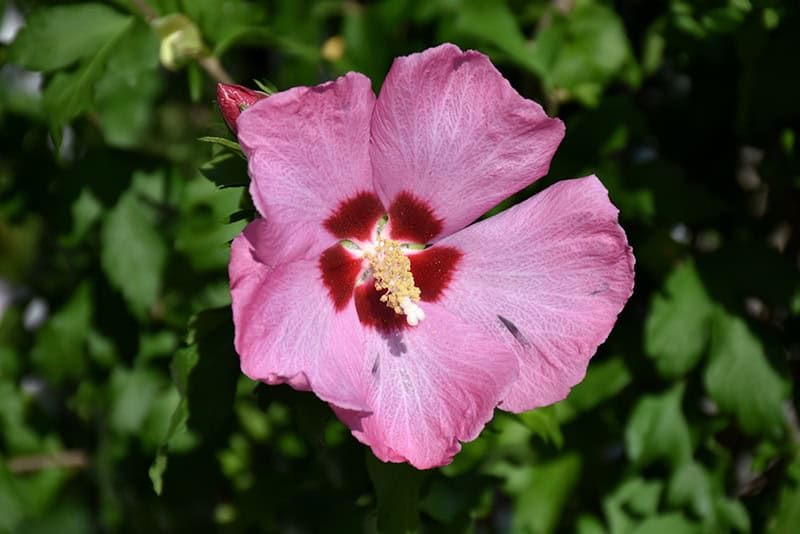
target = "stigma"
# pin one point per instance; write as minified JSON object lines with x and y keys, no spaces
{"x":391,"y":270}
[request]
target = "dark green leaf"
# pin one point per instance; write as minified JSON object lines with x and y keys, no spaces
{"x":634,"y":498}
{"x":397,"y":488}
{"x":787,"y":516}
{"x":544,"y":423}
{"x":226,"y":170}
{"x":132,"y":394}
{"x":60,"y":349}
{"x":539,"y":505}
{"x":604,"y":379}
{"x":666,"y":524}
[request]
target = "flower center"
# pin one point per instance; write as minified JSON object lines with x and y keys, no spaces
{"x":391,"y":269}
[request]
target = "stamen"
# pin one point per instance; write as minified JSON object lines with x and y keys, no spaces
{"x":392,"y":272}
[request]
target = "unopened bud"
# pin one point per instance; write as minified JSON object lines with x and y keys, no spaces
{"x":333,"y":49}
{"x":233,"y":99}
{"x":180,"y":40}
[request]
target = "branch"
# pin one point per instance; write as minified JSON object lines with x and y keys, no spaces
{"x":30,"y":463}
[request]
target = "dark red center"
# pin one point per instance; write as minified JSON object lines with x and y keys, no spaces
{"x":410,"y":220}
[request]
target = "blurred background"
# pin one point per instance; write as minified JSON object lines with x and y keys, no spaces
{"x":122,"y":408}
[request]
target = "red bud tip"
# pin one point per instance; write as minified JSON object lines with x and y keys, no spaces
{"x":233,"y":99}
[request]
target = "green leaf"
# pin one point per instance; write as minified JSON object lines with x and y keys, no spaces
{"x":86,"y":210}
{"x":633,"y":498}
{"x":581,"y":52}
{"x":17,"y":435}
{"x":226,"y":143}
{"x":494,"y":23}
{"x":677,"y":327}
{"x":125,"y":92}
{"x":201,"y":233}
{"x":55,"y":37}
{"x":11,"y":505}
{"x":544,"y":423}
{"x":732,"y":514}
{"x":60,"y":348}
{"x":132,"y":394}
{"x":787,"y":516}
{"x":205,"y":374}
{"x":226,"y":170}
{"x":690,"y":486}
{"x":666,"y":524}
{"x":212,"y":381}
{"x":133,"y":252}
{"x":266,"y":37}
{"x":182,"y":364}
{"x":397,"y":489}
{"x":587,"y":524}
{"x":71,"y":93}
{"x":741,"y":381}
{"x":657,"y":430}
{"x":156,"y":472}
{"x":604,"y":379}
{"x":540,"y":504}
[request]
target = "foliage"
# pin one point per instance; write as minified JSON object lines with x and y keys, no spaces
{"x":121,"y":404}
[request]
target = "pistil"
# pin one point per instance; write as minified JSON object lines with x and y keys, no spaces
{"x":392,"y":272}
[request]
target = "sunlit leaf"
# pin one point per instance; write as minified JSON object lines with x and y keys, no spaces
{"x":740,"y":379}
{"x":657,"y":430}
{"x":678,"y":326}
{"x":49,"y":39}
{"x":582,"y":51}
{"x":71,"y":93}
{"x":133,"y":253}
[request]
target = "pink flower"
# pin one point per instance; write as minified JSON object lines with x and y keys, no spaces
{"x":415,"y":327}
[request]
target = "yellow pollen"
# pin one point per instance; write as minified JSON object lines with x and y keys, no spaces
{"x":392,"y":272}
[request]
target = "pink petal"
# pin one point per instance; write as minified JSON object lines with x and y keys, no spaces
{"x":549,"y":277}
{"x":287,"y":329}
{"x":432,"y":386}
{"x":451,"y":131}
{"x":307,"y":150}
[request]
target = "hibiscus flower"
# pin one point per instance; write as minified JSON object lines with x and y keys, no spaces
{"x":365,"y":280}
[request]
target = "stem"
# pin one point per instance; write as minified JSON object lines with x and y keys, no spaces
{"x":214,"y":68}
{"x":210,"y":64}
{"x":37,"y":462}
{"x":147,"y":12}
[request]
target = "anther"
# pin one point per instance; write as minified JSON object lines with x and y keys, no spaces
{"x":392,"y":272}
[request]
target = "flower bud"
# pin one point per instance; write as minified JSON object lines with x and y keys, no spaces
{"x":233,"y":99}
{"x":180,"y":40}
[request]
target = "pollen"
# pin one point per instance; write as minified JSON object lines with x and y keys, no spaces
{"x":391,"y":269}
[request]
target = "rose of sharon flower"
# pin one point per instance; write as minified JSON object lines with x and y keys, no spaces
{"x":365,"y":282}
